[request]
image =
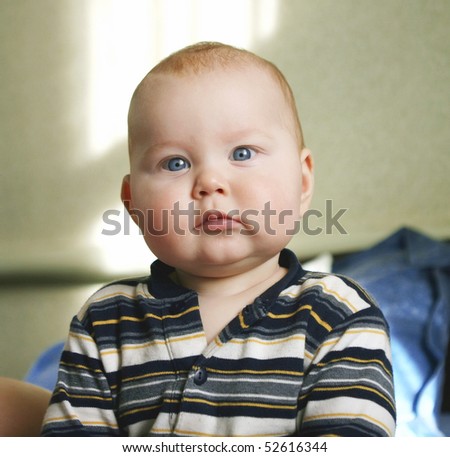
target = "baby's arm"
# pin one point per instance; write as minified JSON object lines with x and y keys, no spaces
{"x":82,"y":402}
{"x":348,"y":388}
{"x":22,"y":407}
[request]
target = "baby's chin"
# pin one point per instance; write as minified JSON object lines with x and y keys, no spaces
{"x":218,"y":256}
{"x":219,"y":265}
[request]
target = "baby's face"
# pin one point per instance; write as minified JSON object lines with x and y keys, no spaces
{"x":216,"y":171}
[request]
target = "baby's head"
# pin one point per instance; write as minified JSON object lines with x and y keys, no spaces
{"x":209,"y":56}
{"x":219,"y":172}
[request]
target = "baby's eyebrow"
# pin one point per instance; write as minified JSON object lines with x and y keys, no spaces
{"x":242,"y":134}
{"x":234,"y":137}
{"x":164,"y":145}
{"x":250,"y":131}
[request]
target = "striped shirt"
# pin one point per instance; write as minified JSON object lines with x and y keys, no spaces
{"x":310,"y":357}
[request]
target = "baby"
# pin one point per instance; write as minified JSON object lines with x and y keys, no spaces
{"x":228,"y":336}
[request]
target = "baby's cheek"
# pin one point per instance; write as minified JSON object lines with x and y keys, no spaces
{"x":284,"y":213}
{"x":157,"y":221}
{"x":174,"y":219}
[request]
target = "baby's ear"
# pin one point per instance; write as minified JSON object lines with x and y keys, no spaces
{"x":125,"y":195}
{"x":307,"y":180}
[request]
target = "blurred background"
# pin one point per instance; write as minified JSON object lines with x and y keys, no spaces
{"x":371,"y":81}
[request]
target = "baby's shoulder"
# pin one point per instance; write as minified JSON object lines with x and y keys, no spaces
{"x":115,"y":294}
{"x":331,"y":304}
{"x":330,"y":291}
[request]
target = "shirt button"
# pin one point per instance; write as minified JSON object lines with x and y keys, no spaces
{"x":200,"y":376}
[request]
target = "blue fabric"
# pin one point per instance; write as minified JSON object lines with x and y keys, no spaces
{"x":408,"y":274}
{"x":44,"y":371}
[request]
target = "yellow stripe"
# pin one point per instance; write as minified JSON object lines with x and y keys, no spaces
{"x":132,"y":347}
{"x":83,"y":367}
{"x":332,"y":292}
{"x":343,"y":388}
{"x":73,"y":417}
{"x":166,"y":431}
{"x":81,"y":337}
{"x":148,"y":408}
{"x":354,"y":416}
{"x":195,"y":433}
{"x":217,"y":341}
{"x":268,"y":343}
{"x":287,"y":316}
{"x":355,"y":332}
{"x":290,"y":294}
{"x":353,"y":359}
{"x":282,"y":372}
{"x":100,"y":423}
{"x":236,"y":403}
{"x":152,"y":375}
{"x":304,"y":307}
{"x":61,"y":418}
{"x":241,"y":321}
{"x":147,"y":316}
{"x":320,"y":321}
{"x":138,"y":410}
{"x":91,"y":397}
{"x":363,"y":331}
{"x":115,"y":294}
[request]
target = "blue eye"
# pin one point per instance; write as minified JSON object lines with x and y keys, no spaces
{"x":241,"y":154}
{"x":176,"y":164}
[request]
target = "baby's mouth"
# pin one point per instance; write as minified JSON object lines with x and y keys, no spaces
{"x":215,"y":220}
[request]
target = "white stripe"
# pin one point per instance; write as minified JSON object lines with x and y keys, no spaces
{"x":346,"y":408}
{"x":360,"y":338}
{"x":144,"y":401}
{"x":293,"y":347}
{"x":227,"y":396}
{"x":356,"y":382}
{"x":334,"y":286}
{"x":58,"y":412}
{"x":71,"y":388}
{"x":191,"y":423}
{"x":259,"y":380}
{"x":140,"y":385}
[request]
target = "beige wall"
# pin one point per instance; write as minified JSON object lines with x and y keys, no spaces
{"x":371,"y":81}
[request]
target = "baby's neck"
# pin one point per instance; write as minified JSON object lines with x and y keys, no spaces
{"x":223,"y":298}
{"x":257,"y":278}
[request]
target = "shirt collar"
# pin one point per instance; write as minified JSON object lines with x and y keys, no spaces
{"x":161,"y":285}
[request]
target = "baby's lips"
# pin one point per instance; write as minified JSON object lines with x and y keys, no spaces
{"x":213,"y":215}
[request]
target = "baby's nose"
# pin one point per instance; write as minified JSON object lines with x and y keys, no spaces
{"x":209,"y":182}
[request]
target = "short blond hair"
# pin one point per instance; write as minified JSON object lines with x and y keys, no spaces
{"x":207,"y":55}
